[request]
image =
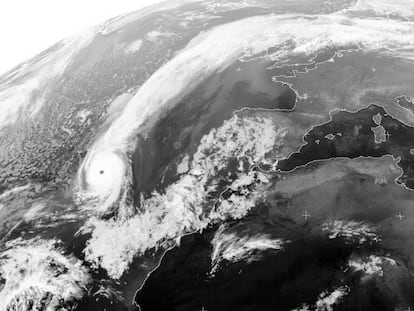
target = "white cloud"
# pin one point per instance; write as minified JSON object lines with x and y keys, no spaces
{"x":328,"y":300}
{"x":234,"y":247}
{"x":17,"y":100}
{"x":371,"y":265}
{"x":34,"y":212}
{"x":352,"y":231}
{"x":28,"y":27}
{"x":303,"y":307}
{"x":294,"y":34}
{"x":225,"y":6}
{"x":183,"y":208}
{"x":37,"y":272}
{"x":106,"y":176}
{"x":133,"y":47}
{"x":156,"y":35}
{"x":385,"y":8}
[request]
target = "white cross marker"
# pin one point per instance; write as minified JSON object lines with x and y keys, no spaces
{"x":306,"y":215}
{"x":146,"y":137}
{"x":400,"y":216}
{"x":238,"y":69}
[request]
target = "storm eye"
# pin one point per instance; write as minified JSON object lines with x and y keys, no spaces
{"x":101,"y":172}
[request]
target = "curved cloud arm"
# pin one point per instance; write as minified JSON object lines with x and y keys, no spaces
{"x":295,"y":35}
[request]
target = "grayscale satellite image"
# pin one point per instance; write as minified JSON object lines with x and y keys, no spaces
{"x":214,"y":155}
